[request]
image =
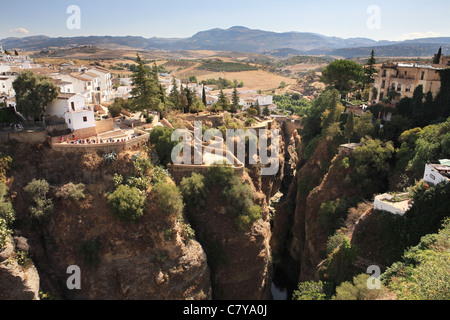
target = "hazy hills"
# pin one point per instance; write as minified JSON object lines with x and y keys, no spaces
{"x":242,"y":39}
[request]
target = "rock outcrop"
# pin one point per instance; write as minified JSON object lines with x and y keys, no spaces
{"x":148,"y":259}
{"x":17,"y":282}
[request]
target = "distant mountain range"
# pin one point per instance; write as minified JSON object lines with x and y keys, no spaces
{"x":242,"y":39}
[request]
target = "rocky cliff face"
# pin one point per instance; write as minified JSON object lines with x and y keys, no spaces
{"x":299,"y":240}
{"x":18,"y":281}
{"x":117,"y":260}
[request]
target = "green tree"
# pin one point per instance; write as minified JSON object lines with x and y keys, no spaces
{"x":235,"y":99}
{"x":168,"y":198}
{"x":33,"y":94}
{"x":194,"y":190}
{"x":161,"y":138}
{"x":364,"y":125}
{"x":174,"y":95}
{"x":41,"y":206}
{"x":266,"y":111}
{"x":349,"y":126}
{"x":145,"y":93}
{"x":115,"y":109}
{"x":223,"y":102}
{"x":184,"y":102}
{"x":370,"y":70}
{"x":339,"y":73}
{"x":437,"y":57}
{"x":204,"y":96}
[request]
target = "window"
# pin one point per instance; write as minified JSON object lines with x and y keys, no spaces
{"x":422,"y":76}
{"x":384,"y":73}
{"x":408,"y":88}
{"x":393,"y":87}
{"x":73,"y":105}
{"x":381,"y":96}
{"x":383,"y":84}
{"x":399,"y":88}
{"x":84,"y":119}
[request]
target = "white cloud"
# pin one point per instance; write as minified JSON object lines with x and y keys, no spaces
{"x":418,"y":35}
{"x":20,"y":31}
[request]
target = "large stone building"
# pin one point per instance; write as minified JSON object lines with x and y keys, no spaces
{"x":404,"y":79}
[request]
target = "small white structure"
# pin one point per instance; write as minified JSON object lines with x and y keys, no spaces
{"x":436,"y":173}
{"x":72,"y":109}
{"x":384,"y":202}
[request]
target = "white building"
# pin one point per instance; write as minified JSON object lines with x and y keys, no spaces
{"x":437,"y":173}
{"x":249,"y":99}
{"x":71,"y":108}
{"x":105,"y":82}
{"x":6,"y":84}
{"x":385,"y":202}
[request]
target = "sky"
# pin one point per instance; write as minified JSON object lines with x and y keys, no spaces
{"x":375,"y":19}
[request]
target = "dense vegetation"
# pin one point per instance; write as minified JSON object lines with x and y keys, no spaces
{"x":237,"y":197}
{"x":291,"y":103}
{"x":391,"y":157}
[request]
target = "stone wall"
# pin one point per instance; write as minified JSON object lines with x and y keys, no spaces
{"x":32,"y":137}
{"x":104,"y":147}
{"x":104,"y":125}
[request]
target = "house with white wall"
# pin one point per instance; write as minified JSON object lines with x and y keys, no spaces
{"x":437,"y":173}
{"x":105,"y":82}
{"x":71,"y":108}
{"x":83,"y":84}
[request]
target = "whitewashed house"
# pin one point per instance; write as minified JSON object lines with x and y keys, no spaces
{"x":71,"y":108}
{"x":437,"y":173}
{"x":86,"y":84}
{"x":105,"y":82}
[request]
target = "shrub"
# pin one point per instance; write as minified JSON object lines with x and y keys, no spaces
{"x":110,"y":157}
{"x":252,"y":215}
{"x":141,"y":165}
{"x":309,"y":291}
{"x":71,"y":191}
{"x":358,"y":290}
{"x":187,"y":232}
{"x":5,"y":163}
{"x":41,"y":207}
{"x":7,"y":212}
{"x":159,"y":174}
{"x":6,"y":209}
{"x":338,"y":267}
{"x":168,"y":198}
{"x":127,"y":203}
{"x":194,"y":190}
{"x":5,"y":232}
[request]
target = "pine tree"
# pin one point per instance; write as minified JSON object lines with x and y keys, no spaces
{"x":235,"y":99}
{"x":349,"y":126}
{"x":174,"y":95}
{"x":223,"y":101}
{"x":370,"y":69}
{"x":183,"y":99}
{"x":145,"y":93}
{"x":437,"y":57}
{"x":266,"y":111}
{"x":204,"y":95}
